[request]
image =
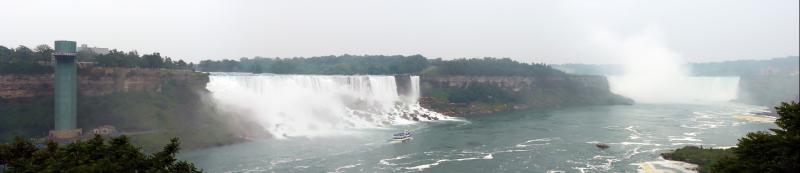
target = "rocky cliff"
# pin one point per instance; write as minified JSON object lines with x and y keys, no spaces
{"x":98,"y":81}
{"x":466,"y":95}
{"x":149,"y":105}
{"x":768,"y":90}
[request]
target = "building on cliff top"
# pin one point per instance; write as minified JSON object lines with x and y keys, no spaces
{"x":105,"y":130}
{"x":96,"y":50}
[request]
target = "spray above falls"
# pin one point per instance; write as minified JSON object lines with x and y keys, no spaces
{"x":312,"y":105}
{"x":655,"y":73}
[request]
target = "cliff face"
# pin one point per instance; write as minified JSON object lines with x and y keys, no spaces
{"x":446,"y":94}
{"x":149,"y":105}
{"x":768,"y":90}
{"x":524,"y":83}
{"x":98,"y":81}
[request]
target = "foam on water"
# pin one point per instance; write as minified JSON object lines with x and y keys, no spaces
{"x":439,"y":158}
{"x":413,"y":163}
{"x":665,"y":166}
{"x":541,"y":141}
{"x":342,"y":168}
{"x":493,"y":144}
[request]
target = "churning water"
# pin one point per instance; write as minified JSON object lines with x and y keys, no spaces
{"x":316,"y":105}
{"x":558,"y":140}
{"x":555,"y":140}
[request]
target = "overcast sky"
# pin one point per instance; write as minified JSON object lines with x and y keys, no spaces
{"x":551,"y":31}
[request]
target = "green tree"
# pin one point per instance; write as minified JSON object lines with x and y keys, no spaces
{"x":22,"y":54}
{"x":43,"y":53}
{"x":152,"y":61}
{"x":283,"y":67}
{"x":778,"y":151}
{"x":86,"y":55}
{"x":182,"y":64}
{"x":23,"y":60}
{"x":256,"y":69}
{"x":94,"y":155}
{"x":5,"y":54}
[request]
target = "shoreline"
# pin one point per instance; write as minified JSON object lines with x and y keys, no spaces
{"x":658,"y":165}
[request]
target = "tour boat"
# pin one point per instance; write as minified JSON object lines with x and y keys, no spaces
{"x":402,"y":136}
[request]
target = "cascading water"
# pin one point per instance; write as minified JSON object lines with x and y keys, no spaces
{"x":312,"y":105}
{"x":654,"y":73}
{"x":682,"y":89}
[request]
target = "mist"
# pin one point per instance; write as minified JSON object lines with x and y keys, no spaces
{"x":654,"y":73}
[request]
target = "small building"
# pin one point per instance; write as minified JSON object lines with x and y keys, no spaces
{"x":105,"y":130}
{"x":86,"y":64}
{"x":65,"y":134}
{"x":96,"y":50}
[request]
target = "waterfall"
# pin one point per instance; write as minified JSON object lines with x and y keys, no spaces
{"x":681,"y":89}
{"x":312,"y":105}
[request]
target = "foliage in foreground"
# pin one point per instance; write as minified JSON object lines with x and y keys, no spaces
{"x":768,"y":152}
{"x":703,"y":157}
{"x":94,"y":155}
{"x":778,"y":151}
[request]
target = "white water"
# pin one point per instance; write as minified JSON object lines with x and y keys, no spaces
{"x":656,"y":74}
{"x":677,"y":89}
{"x":313,"y":105}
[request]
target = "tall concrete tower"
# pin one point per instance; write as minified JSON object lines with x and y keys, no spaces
{"x":66,"y":88}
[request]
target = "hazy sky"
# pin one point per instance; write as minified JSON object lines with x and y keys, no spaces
{"x":551,"y":31}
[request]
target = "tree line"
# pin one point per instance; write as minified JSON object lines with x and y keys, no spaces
{"x":24,"y":60}
{"x":379,"y":65}
{"x":37,"y":61}
{"x":344,"y":65}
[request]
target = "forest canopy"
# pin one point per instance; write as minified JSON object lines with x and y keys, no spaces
{"x":378,"y":65}
{"x":24,"y":60}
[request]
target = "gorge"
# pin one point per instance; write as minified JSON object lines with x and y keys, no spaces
{"x":461,"y":122}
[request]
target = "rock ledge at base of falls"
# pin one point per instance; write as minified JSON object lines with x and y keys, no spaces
{"x":460,"y":95}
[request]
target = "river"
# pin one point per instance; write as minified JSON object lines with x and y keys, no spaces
{"x":554,"y":140}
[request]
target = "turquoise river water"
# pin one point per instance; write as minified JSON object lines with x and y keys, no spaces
{"x":556,"y":140}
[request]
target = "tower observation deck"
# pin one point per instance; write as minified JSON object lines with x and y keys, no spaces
{"x":66,"y":87}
